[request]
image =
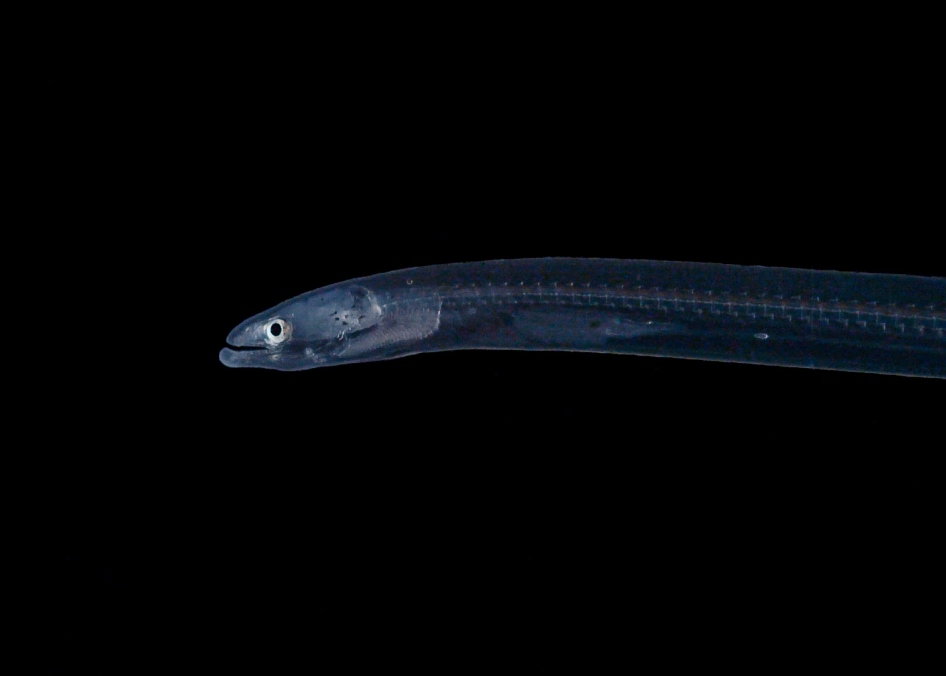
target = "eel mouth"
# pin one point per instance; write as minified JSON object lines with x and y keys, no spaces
{"x":236,"y":357}
{"x":243,"y":348}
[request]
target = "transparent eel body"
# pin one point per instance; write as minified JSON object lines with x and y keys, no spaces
{"x":875,"y":323}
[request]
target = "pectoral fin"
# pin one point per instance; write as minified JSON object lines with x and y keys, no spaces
{"x":399,"y":326}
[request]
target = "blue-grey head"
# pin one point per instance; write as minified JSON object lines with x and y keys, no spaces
{"x":308,"y":331}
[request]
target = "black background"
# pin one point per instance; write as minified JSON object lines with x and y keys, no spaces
{"x":441,"y":508}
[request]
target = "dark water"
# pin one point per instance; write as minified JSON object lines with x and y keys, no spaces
{"x":443,"y":508}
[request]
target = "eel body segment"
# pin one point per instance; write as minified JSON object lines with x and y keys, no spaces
{"x":877,"y":323}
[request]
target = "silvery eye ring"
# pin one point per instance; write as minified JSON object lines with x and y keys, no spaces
{"x":277,"y":331}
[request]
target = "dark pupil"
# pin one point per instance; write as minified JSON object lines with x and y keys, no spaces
{"x":275,"y":329}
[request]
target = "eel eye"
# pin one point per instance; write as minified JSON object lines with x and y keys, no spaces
{"x":277,"y":331}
